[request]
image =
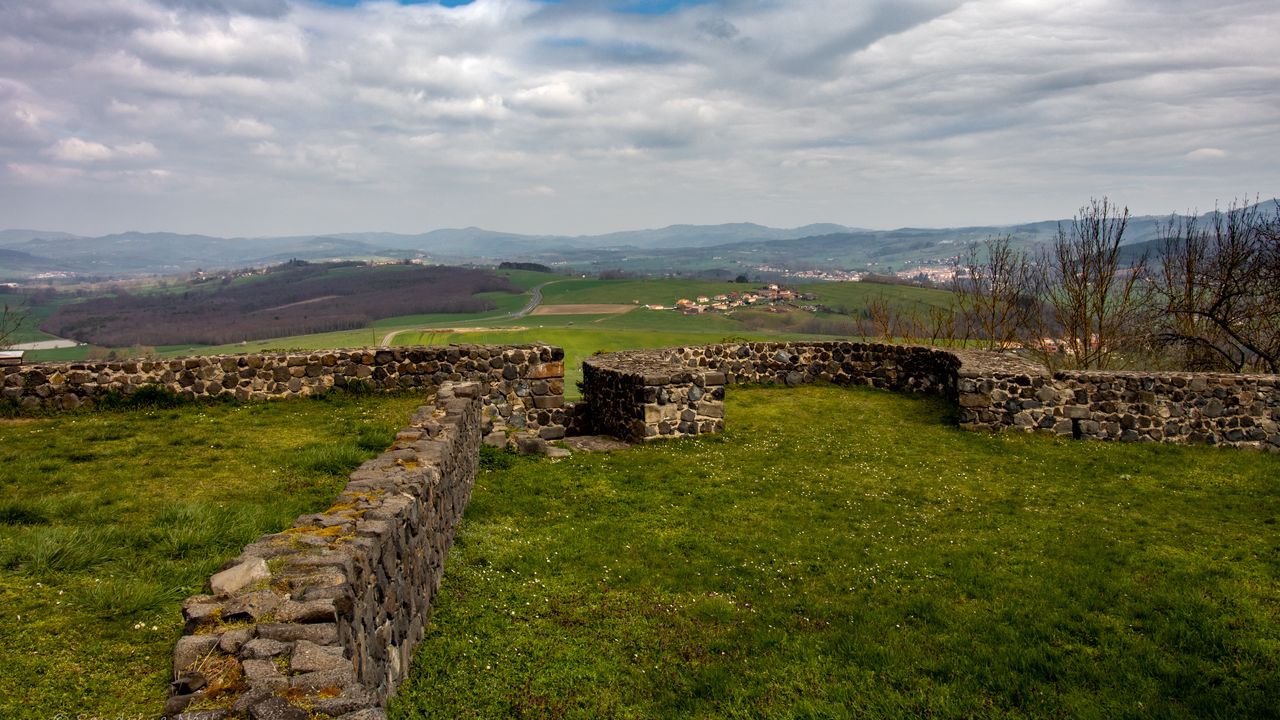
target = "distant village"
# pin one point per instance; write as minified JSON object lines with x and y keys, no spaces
{"x":768,"y":296}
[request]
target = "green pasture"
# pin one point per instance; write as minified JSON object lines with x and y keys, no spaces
{"x":847,"y":553}
{"x":647,"y":291}
{"x":108,"y":519}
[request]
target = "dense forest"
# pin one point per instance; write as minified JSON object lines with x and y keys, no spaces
{"x":293,"y":299}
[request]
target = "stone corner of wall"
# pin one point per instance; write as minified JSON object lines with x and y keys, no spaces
{"x":324,"y":616}
{"x":988,"y":363}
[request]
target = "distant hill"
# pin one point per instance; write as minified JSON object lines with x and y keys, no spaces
{"x":17,"y":236}
{"x":16,"y":261}
{"x":676,"y":249}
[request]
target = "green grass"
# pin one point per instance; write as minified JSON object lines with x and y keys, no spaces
{"x":109,"y":519}
{"x":591,"y":334}
{"x":666,"y":292}
{"x":33,"y":315}
{"x":847,"y":553}
{"x":527,"y":278}
{"x":855,"y":295}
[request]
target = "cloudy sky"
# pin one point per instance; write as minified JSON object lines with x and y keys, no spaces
{"x":258,"y":117}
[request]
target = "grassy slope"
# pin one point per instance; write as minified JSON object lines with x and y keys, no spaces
{"x":875,"y":563}
{"x":108,"y":519}
{"x":35,"y":314}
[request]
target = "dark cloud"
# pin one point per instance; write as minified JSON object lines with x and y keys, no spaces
{"x":718,"y":28}
{"x":258,"y":8}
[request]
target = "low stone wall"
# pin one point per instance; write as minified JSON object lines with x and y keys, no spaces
{"x":1184,"y":408}
{"x":651,"y":394}
{"x":645,"y":395}
{"x":910,"y":368}
{"x":523,"y":384}
{"x":324,"y":617}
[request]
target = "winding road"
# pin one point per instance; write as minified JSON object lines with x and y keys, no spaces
{"x":535,"y":299}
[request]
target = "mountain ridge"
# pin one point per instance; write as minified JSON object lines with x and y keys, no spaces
{"x":671,"y":249}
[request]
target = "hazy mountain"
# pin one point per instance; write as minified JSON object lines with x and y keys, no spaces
{"x":671,"y":249}
{"x":13,"y":262}
{"x":10,"y":237}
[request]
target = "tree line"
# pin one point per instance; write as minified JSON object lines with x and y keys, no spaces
{"x":1207,"y":299}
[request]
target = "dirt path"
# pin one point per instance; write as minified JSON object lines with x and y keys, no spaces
{"x":534,"y":300}
{"x":597,"y":309}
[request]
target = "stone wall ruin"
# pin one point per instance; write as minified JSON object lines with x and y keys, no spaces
{"x":651,"y":394}
{"x":325,"y":615}
{"x":523,"y":385}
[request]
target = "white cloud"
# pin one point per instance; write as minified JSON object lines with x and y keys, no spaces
{"x":76,"y":150}
{"x":237,"y":44}
{"x":248,"y":128}
{"x":1207,"y":153}
{"x":80,"y":151}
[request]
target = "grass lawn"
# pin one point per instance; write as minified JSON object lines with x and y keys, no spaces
{"x":847,"y":553}
{"x":109,"y":519}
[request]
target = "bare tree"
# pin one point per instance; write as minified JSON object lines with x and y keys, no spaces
{"x":882,"y":319}
{"x":12,"y":318}
{"x":1093,"y":300}
{"x":935,"y":325}
{"x":1219,"y":289}
{"x":993,"y":301}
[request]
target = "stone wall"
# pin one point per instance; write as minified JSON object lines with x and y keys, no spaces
{"x":523,"y":384}
{"x":644,"y":395}
{"x":324,"y":617}
{"x":651,"y":394}
{"x":1184,"y":408}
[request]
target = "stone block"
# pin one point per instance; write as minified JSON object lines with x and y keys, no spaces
{"x":1076,"y":412}
{"x":551,"y":432}
{"x":711,"y":409}
{"x":234,"y":578}
{"x":310,"y":657}
{"x":189,"y":649}
{"x":654,"y":413}
{"x":547,"y":402}
{"x":263,"y":648}
{"x":545,"y":371}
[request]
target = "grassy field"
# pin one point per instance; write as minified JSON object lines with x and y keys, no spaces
{"x":853,"y":295}
{"x":847,"y":553}
{"x":665,"y":327}
{"x":108,"y":519}
{"x":665,"y":291}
